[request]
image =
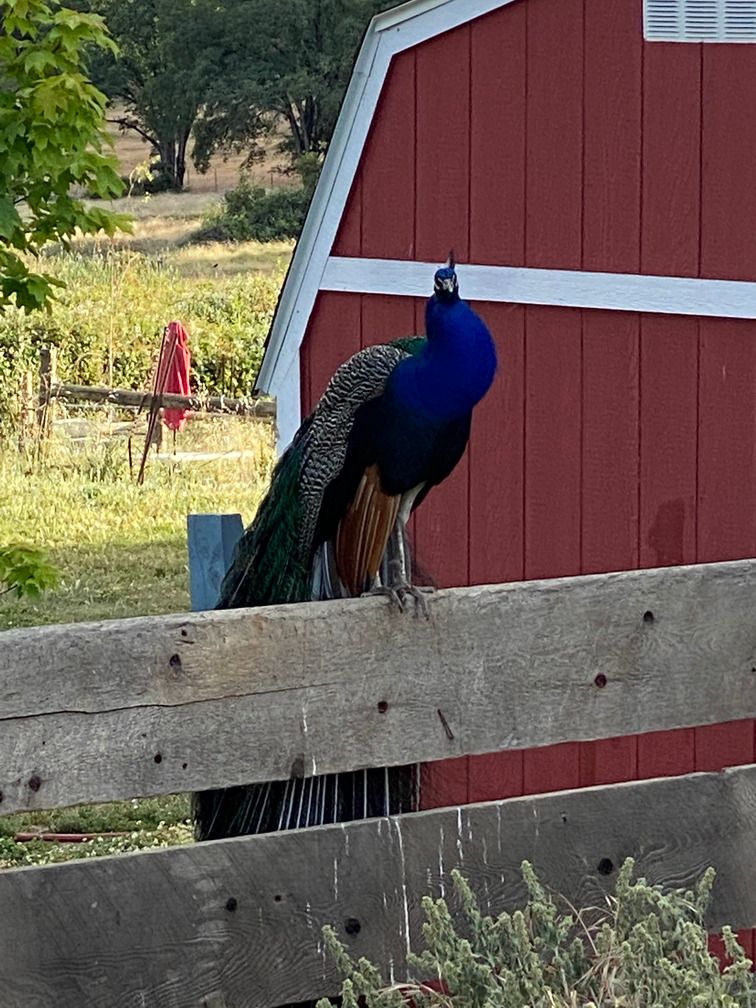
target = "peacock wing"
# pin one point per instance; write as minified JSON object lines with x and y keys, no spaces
{"x":273,"y":560}
{"x":364,"y":530}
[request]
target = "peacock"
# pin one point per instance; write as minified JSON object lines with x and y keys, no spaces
{"x":393,"y":422}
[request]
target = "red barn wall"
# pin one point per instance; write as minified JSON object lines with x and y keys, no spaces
{"x":548,"y":134}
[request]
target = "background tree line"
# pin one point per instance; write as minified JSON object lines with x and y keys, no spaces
{"x":225,"y":73}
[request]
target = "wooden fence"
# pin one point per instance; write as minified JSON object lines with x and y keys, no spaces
{"x":155,"y":705}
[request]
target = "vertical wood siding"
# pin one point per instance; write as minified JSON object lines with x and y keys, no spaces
{"x":548,"y":134}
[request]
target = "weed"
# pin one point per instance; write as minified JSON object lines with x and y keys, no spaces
{"x":646,"y":947}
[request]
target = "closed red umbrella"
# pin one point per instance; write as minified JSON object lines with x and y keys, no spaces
{"x":171,"y":375}
{"x":175,"y":366}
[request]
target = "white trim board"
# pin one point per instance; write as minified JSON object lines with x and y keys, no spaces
{"x":388,"y":34}
{"x":568,"y":288}
{"x":635,"y":292}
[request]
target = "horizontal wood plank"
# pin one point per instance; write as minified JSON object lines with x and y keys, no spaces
{"x":147,"y":706}
{"x":240,"y":920}
{"x":254,"y":406}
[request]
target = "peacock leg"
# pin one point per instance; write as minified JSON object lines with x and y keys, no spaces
{"x":397,"y":572}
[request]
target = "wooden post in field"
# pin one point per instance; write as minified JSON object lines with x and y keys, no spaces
{"x":27,"y":417}
{"x":48,"y":357}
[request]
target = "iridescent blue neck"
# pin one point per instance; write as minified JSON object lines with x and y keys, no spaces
{"x":455,"y":367}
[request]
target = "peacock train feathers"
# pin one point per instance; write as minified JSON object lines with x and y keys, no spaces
{"x":392,"y":423}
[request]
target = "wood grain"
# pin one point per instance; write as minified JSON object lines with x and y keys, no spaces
{"x":239,"y":921}
{"x":99,"y":711}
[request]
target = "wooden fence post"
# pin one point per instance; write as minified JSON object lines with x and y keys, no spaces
{"x":211,"y":539}
{"x":48,"y":357}
{"x":28,"y":412}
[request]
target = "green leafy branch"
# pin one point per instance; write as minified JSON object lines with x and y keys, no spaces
{"x":26,"y":570}
{"x":53,"y":139}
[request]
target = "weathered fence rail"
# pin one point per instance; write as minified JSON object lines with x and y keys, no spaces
{"x":160,"y":704}
{"x":239,"y":920}
{"x":253,"y":406}
{"x":149,"y":706}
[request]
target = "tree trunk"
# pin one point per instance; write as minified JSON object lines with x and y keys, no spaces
{"x":181,"y":158}
{"x":173,"y":161}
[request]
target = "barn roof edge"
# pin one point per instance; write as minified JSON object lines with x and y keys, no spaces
{"x":389,"y":33}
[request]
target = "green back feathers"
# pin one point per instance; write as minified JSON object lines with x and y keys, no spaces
{"x":268,"y":567}
{"x":410,"y":344}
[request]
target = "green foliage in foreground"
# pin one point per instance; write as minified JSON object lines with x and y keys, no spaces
{"x":25,"y":570}
{"x":645,"y":949}
{"x":52,"y":138}
{"x":107,"y":325}
{"x":250,"y":213}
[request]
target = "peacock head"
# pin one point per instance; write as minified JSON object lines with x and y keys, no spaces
{"x":445,"y":283}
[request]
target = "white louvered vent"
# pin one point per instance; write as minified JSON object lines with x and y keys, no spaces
{"x":699,"y":20}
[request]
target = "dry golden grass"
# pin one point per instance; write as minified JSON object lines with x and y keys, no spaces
{"x":219,"y":259}
{"x":223,"y":174}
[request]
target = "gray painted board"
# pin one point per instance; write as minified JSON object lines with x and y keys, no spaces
{"x":211,"y":539}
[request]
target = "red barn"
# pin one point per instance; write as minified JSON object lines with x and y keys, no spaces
{"x":593,"y":163}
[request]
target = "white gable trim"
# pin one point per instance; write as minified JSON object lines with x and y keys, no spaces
{"x":388,"y":34}
{"x":668,"y":295}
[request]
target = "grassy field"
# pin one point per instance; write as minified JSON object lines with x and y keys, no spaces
{"x":121,"y":549}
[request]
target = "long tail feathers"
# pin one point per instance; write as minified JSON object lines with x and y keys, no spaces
{"x":273,"y":564}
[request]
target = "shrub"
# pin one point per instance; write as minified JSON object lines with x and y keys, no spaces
{"x":645,"y":949}
{"x":250,"y":213}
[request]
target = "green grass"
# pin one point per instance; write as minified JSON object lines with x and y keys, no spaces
{"x":120,"y":548}
{"x":145,"y":823}
{"x":121,"y":551}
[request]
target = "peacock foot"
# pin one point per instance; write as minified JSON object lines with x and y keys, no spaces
{"x":398,"y":594}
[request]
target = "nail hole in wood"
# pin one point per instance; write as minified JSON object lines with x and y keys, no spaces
{"x":352,"y":926}
{"x":1,"y":796}
{"x":605,"y":866}
{"x":277,"y":898}
{"x":382,"y":706}
{"x":158,"y":757}
{"x":35,"y":782}
{"x":184,"y":766}
{"x":564,"y":817}
{"x":648,"y":616}
{"x":184,"y":632}
{"x":600,"y":680}
{"x":231,"y":904}
{"x":175,"y":662}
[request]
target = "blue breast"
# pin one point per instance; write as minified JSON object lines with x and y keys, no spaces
{"x":455,"y":368}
